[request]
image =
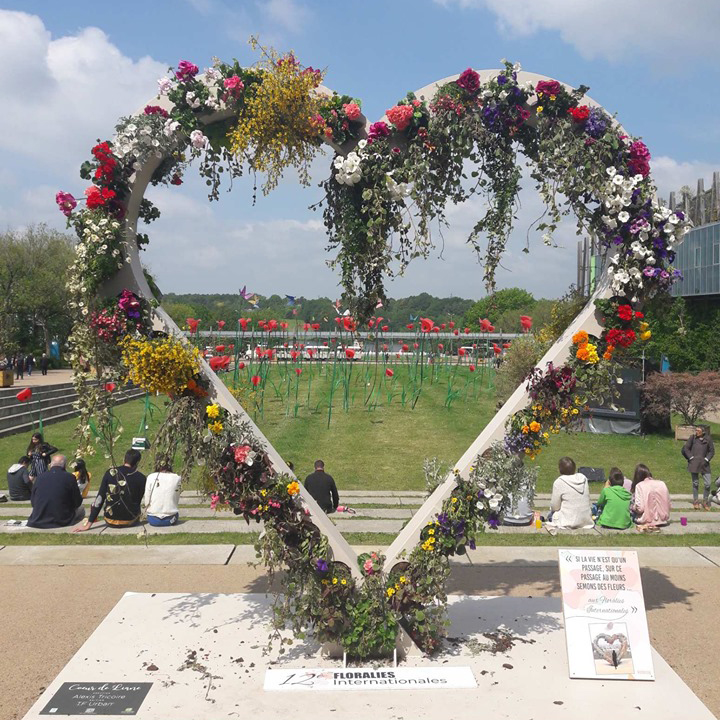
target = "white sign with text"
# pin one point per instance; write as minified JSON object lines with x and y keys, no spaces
{"x":605,"y":624}
{"x":370,"y":679}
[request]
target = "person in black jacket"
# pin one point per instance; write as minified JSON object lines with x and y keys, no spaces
{"x":121,"y":492}
{"x":39,"y":453}
{"x":56,"y":500}
{"x":19,"y":367}
{"x":699,"y":451}
{"x":322,"y":488}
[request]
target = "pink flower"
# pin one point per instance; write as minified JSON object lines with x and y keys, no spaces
{"x":368,"y":566}
{"x":241,"y":452}
{"x":66,"y":202}
{"x":352,"y":111}
{"x":469,"y":81}
{"x":186,"y":71}
{"x":639,"y":157}
{"x":400,"y":116}
{"x":214,"y":499}
{"x":234,"y":86}
{"x":548,"y":87}
{"x":378,"y":130}
{"x":155,"y":110}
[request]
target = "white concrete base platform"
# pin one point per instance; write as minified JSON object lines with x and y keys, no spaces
{"x":203,"y":654}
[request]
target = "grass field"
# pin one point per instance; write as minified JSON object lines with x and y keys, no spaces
{"x":384,"y":447}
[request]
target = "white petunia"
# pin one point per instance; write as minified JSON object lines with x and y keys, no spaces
{"x":623,"y":216}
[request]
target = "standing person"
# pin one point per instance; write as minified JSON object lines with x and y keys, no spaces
{"x":29,"y":364}
{"x":121,"y":492}
{"x":699,"y":451}
{"x":162,"y":495}
{"x":56,"y":499}
{"x":651,"y":500}
{"x":19,"y":366}
{"x":39,"y":453}
{"x":322,"y":488}
{"x":18,"y":479}
{"x":570,"y":501}
{"x":44,"y":363}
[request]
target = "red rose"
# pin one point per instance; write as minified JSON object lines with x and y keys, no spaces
{"x":471,"y":368}
{"x":426,"y":324}
{"x":405,"y":348}
{"x":389,"y":372}
{"x":349,"y":353}
{"x":461,"y":352}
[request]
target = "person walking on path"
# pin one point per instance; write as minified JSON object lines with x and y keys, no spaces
{"x":56,"y":500}
{"x":699,"y":451}
{"x":39,"y":453}
{"x":44,"y":363}
{"x":322,"y":488}
{"x":29,"y":364}
{"x":19,"y":366}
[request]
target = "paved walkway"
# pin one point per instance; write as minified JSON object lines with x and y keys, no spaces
{"x":37,"y":379}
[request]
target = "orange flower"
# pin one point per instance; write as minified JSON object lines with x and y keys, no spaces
{"x":580,"y":338}
{"x":582,"y":353}
{"x":535,"y":426}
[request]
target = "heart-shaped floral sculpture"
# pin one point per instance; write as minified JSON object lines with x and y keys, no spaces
{"x":276,"y":115}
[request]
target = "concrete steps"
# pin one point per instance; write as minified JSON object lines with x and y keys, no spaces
{"x":53,"y":402}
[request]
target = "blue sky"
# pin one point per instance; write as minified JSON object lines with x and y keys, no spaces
{"x":69,"y":70}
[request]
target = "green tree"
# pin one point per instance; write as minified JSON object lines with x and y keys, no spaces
{"x":495,"y":306}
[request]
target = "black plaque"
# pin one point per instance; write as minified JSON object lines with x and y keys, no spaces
{"x":93,"y":698}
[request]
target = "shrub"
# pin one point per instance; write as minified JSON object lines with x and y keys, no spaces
{"x":690,"y":395}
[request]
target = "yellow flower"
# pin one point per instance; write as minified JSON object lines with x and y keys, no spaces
{"x":390,"y":592}
{"x":535,"y":426}
{"x":539,"y":109}
{"x":546,"y":436}
{"x":343,"y":581}
{"x":644,"y":326}
{"x":403,"y":579}
{"x":431,"y":532}
{"x":263,"y":493}
{"x":293,"y":488}
{"x":213,"y":411}
{"x":216,"y":427}
{"x":335,"y":581}
{"x":454,"y":500}
{"x":645,"y":335}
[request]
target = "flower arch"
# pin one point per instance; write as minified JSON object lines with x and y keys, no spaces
{"x":389,"y":184}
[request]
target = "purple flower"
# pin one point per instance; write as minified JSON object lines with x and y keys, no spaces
{"x":491,"y":115}
{"x":493,"y":521}
{"x":596,"y":124}
{"x":186,"y":71}
{"x":378,"y":130}
{"x":501,"y":79}
{"x":66,"y":202}
{"x":471,"y":544}
{"x":680,"y":214}
{"x":469,"y":81}
{"x":321,"y":565}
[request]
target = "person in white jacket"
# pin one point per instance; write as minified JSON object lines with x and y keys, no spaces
{"x":570,"y":502}
{"x":162,"y":495}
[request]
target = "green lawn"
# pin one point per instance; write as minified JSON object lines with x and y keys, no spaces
{"x":384,"y":447}
{"x":490,"y":538}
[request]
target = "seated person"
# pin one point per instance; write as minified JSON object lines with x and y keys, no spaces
{"x":614,"y":503}
{"x":18,"y":479}
{"x":322,"y":488}
{"x":121,"y":492}
{"x":55,"y":497}
{"x":651,"y":500}
{"x":82,"y":475}
{"x":162,"y":495}
{"x":570,"y":501}
{"x":627,"y":482}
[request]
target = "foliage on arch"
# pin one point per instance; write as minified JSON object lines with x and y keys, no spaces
{"x":385,"y":192}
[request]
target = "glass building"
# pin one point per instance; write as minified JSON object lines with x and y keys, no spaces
{"x":698,"y":259}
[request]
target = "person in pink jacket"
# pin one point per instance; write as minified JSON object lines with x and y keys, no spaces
{"x":651,"y":500}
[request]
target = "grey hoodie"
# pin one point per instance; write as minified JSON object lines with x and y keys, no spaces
{"x":570,"y":502}
{"x":18,"y":479}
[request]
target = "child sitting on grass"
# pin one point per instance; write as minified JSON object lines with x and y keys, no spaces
{"x":614,"y":502}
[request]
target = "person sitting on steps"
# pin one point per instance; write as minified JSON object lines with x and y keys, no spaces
{"x":322,"y":488}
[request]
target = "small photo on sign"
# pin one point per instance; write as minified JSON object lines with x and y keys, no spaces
{"x":610,"y":645}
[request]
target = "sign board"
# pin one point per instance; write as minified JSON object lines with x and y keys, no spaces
{"x":421,"y":678}
{"x":97,"y":698}
{"x":605,"y":624}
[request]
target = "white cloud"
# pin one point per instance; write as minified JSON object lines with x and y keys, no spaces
{"x":664,"y":31}
{"x":671,"y":175}
{"x":288,"y":14}
{"x":59,"y":95}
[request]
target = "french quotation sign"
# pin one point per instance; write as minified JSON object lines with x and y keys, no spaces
{"x":605,"y":624}
{"x":370,"y":679}
{"x":94,"y":698}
